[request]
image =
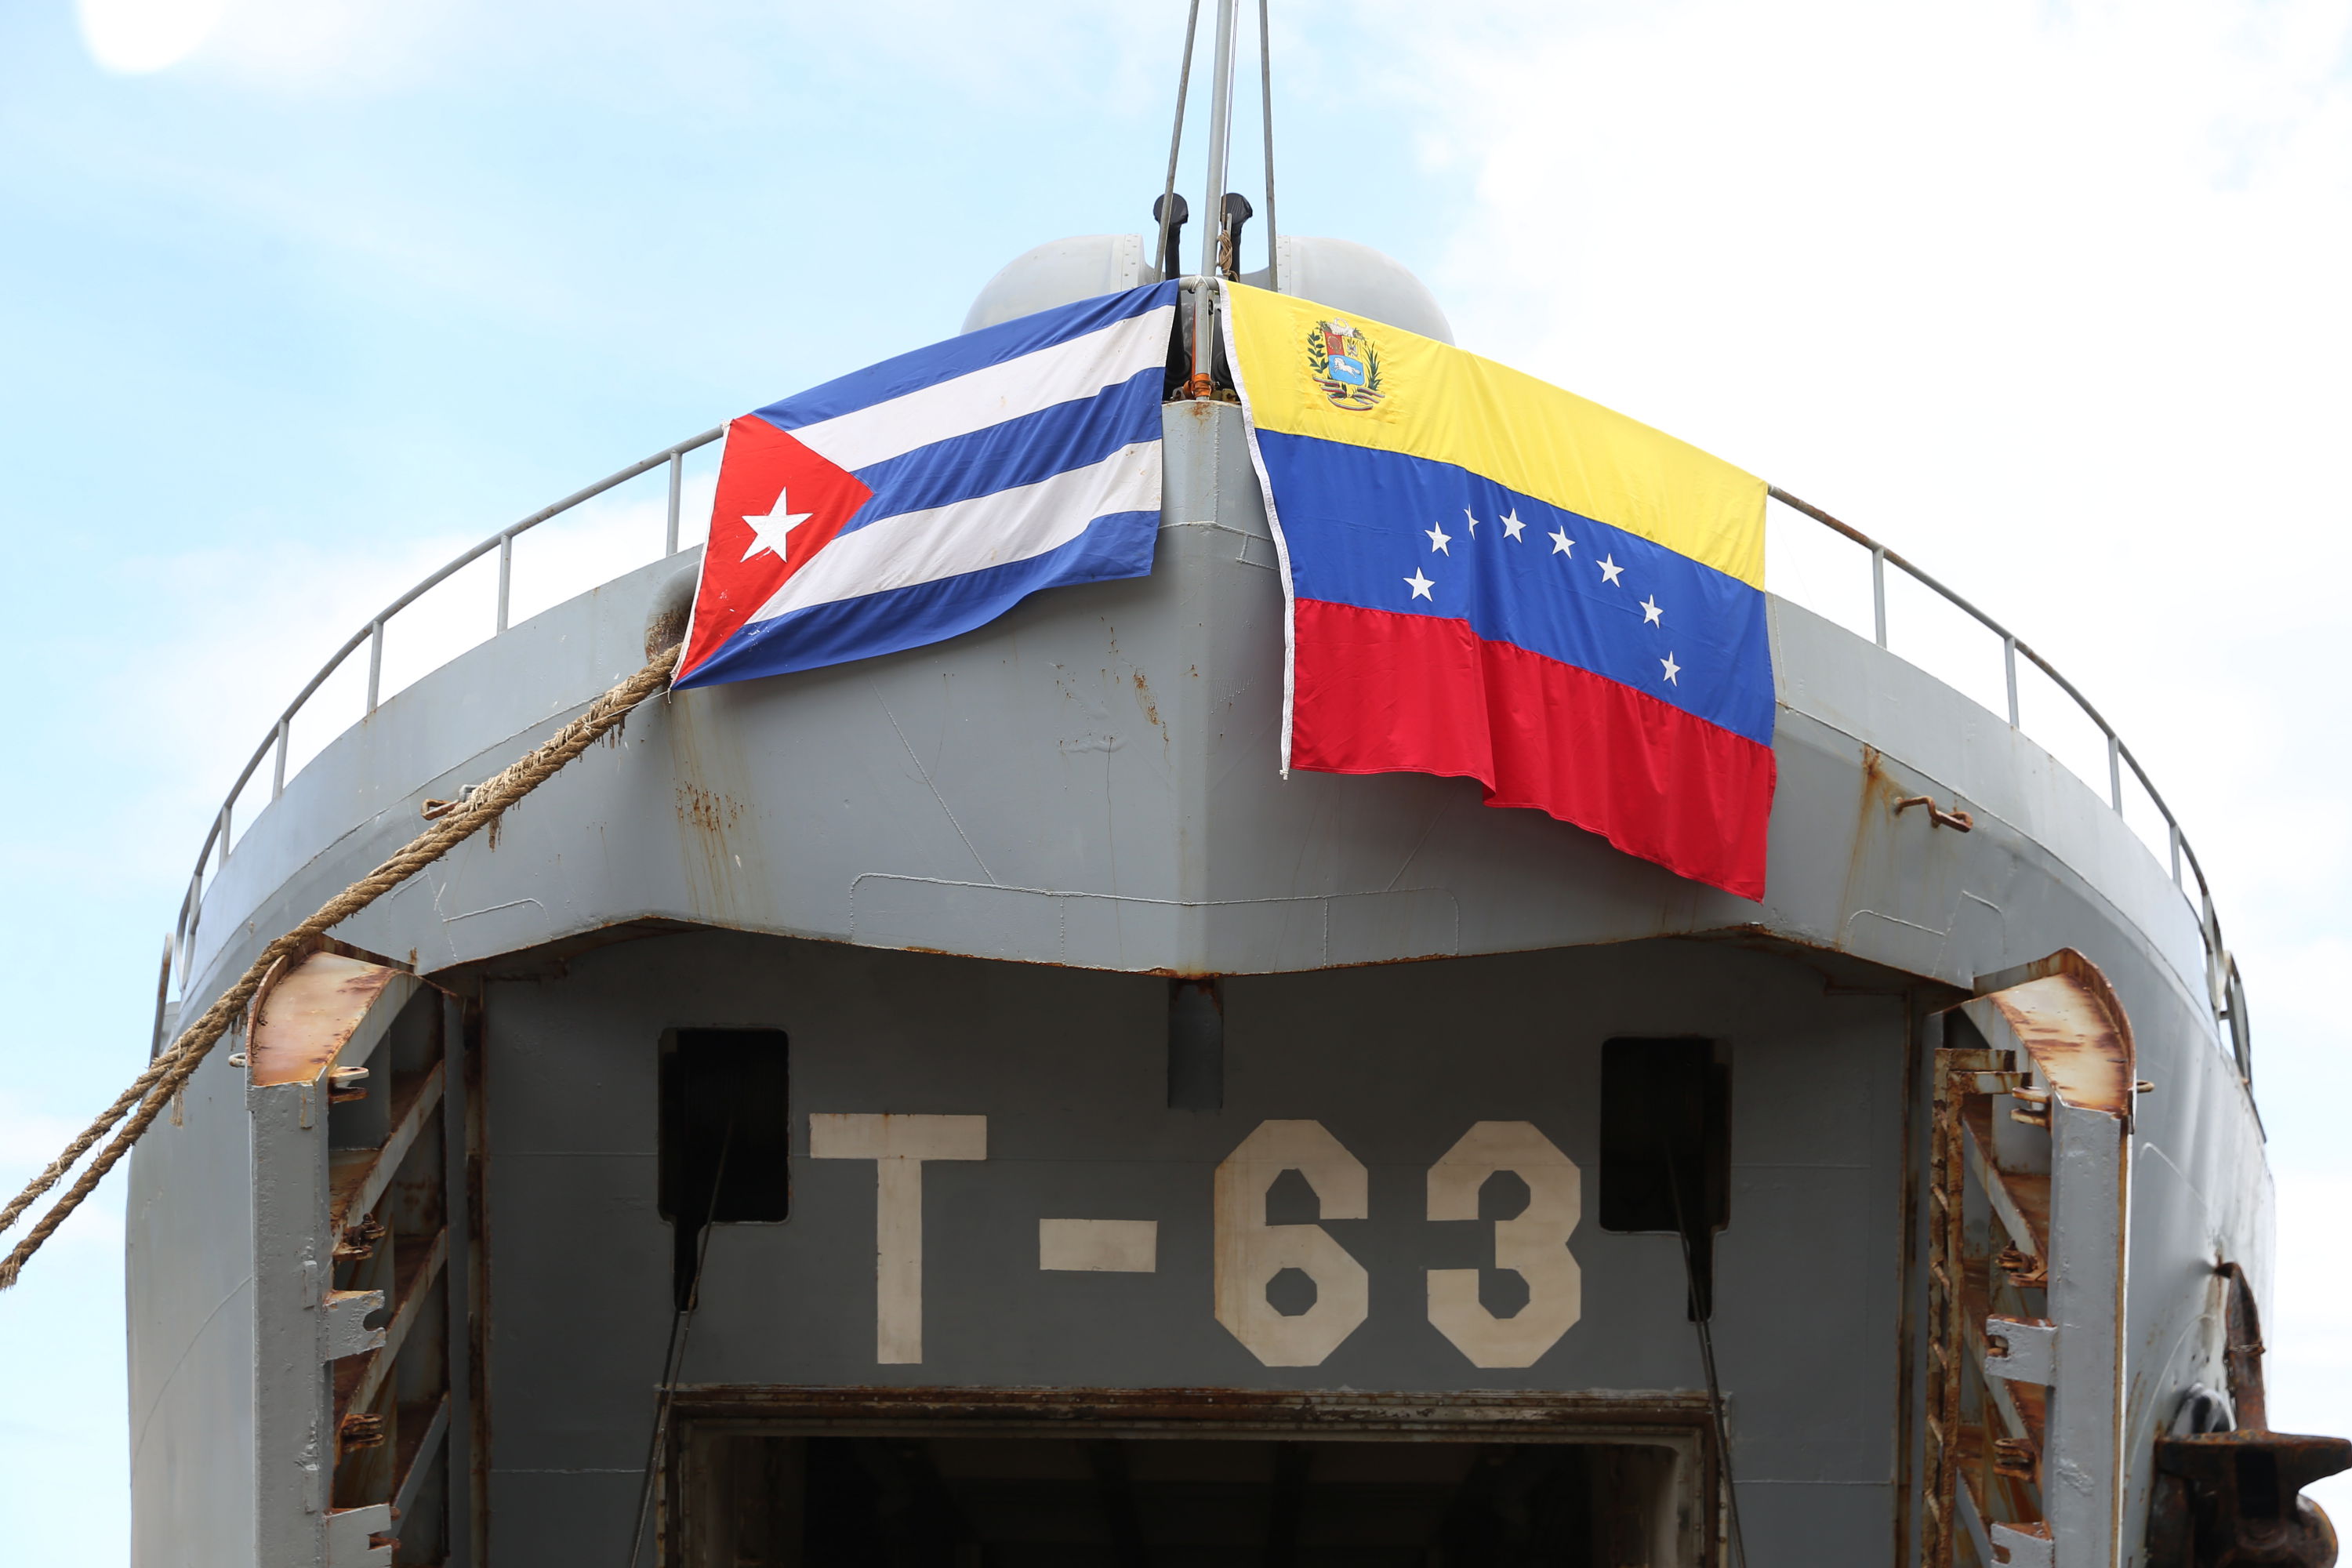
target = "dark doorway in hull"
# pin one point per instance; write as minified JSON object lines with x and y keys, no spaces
{"x":921,"y":1502}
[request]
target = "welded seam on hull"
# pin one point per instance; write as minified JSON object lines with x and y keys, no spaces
{"x":925,"y":774}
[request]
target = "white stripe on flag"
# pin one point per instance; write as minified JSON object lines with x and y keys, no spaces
{"x":973,"y":535}
{"x":1064,"y":372}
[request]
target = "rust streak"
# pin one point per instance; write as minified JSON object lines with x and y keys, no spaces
{"x":1143,"y":698}
{"x":706,"y":810}
{"x":310,"y":1011}
{"x":1228,"y":1408}
{"x":2067,"y":1017}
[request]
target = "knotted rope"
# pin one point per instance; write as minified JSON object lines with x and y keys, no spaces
{"x":153,"y":1089}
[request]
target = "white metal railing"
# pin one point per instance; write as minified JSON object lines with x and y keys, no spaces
{"x":275,"y":745}
{"x":2226,"y":991}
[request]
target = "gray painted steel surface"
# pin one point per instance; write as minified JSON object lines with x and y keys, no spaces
{"x":1068,"y":1067}
{"x":1091,"y":782}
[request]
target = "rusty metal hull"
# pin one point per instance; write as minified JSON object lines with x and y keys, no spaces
{"x":1054,"y":812}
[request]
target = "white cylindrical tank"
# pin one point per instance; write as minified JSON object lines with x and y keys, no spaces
{"x":1336,"y":272}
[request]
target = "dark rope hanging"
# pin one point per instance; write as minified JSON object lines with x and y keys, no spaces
{"x":681,"y":1324}
{"x":1701,"y":1311}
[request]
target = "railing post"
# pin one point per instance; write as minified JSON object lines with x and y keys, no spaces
{"x":1878,"y":590}
{"x":2116,"y":772}
{"x":2009,"y":661}
{"x":162,"y":995}
{"x":278,"y":768}
{"x":227,"y":806}
{"x":2175,"y":836}
{"x":2242,"y":1028}
{"x":180,"y":945}
{"x":2212,"y":930}
{"x":506,"y":575}
{"x":375,"y":662}
{"x":676,"y":480}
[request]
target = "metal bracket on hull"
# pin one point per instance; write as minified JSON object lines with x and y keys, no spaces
{"x":2029,"y":1185}
{"x":349,"y":1219}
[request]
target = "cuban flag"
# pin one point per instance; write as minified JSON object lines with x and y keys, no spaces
{"x":913,"y":500}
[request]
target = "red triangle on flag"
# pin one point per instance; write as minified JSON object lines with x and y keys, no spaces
{"x":778,"y":504}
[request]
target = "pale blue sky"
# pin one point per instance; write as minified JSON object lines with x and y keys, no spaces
{"x":2049,"y":296}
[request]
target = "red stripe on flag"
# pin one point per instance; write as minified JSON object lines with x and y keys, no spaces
{"x":1378,"y":692}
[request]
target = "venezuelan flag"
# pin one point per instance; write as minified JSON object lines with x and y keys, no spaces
{"x":1491,"y":578}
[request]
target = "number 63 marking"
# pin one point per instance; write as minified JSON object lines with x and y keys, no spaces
{"x":1250,"y":1252}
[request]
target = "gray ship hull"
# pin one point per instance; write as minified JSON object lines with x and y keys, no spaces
{"x":959,"y":889}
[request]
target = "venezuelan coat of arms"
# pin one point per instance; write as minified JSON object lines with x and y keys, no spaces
{"x":1344,"y":365}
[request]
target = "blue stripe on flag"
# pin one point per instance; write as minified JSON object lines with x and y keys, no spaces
{"x":1116,"y":544}
{"x":1017,"y":452}
{"x":1356,"y":521}
{"x":958,"y":356}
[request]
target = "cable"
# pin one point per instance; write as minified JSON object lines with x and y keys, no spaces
{"x":1706,"y":1352}
{"x":681,"y":1324}
{"x":1176,"y":138}
{"x":1265,"y":117}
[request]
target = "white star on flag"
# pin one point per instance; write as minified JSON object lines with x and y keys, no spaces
{"x":1474,"y":521}
{"x":1610,"y":570}
{"x":772,"y":531}
{"x":1512,"y":526}
{"x":1420,"y":585}
{"x":1651,"y":611}
{"x":1439,"y":539}
{"x":1561,"y":543}
{"x":1673,"y":670}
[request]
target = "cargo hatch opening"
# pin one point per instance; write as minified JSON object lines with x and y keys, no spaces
{"x":758,"y":1494}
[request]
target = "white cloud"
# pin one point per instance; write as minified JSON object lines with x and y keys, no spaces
{"x":2309,"y":1368}
{"x":134,"y":37}
{"x":2049,"y":299}
{"x":725,"y":53}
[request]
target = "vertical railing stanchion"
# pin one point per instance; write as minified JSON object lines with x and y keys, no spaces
{"x":278,"y":768}
{"x":2009,"y":662}
{"x":180,"y":946}
{"x":2173,"y":835}
{"x":1878,"y":590}
{"x":506,"y":575}
{"x":2115,"y":773}
{"x":676,"y":480}
{"x":227,"y":806}
{"x":376,"y":661}
{"x":2210,"y":928}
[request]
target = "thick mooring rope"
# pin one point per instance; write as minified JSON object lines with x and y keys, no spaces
{"x":153,"y":1089}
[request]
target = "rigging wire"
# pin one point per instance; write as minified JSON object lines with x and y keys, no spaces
{"x":681,"y":1324}
{"x":1265,"y":117}
{"x":1176,"y":138}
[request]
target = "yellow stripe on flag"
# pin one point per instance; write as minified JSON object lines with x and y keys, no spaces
{"x":1310,"y":370}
